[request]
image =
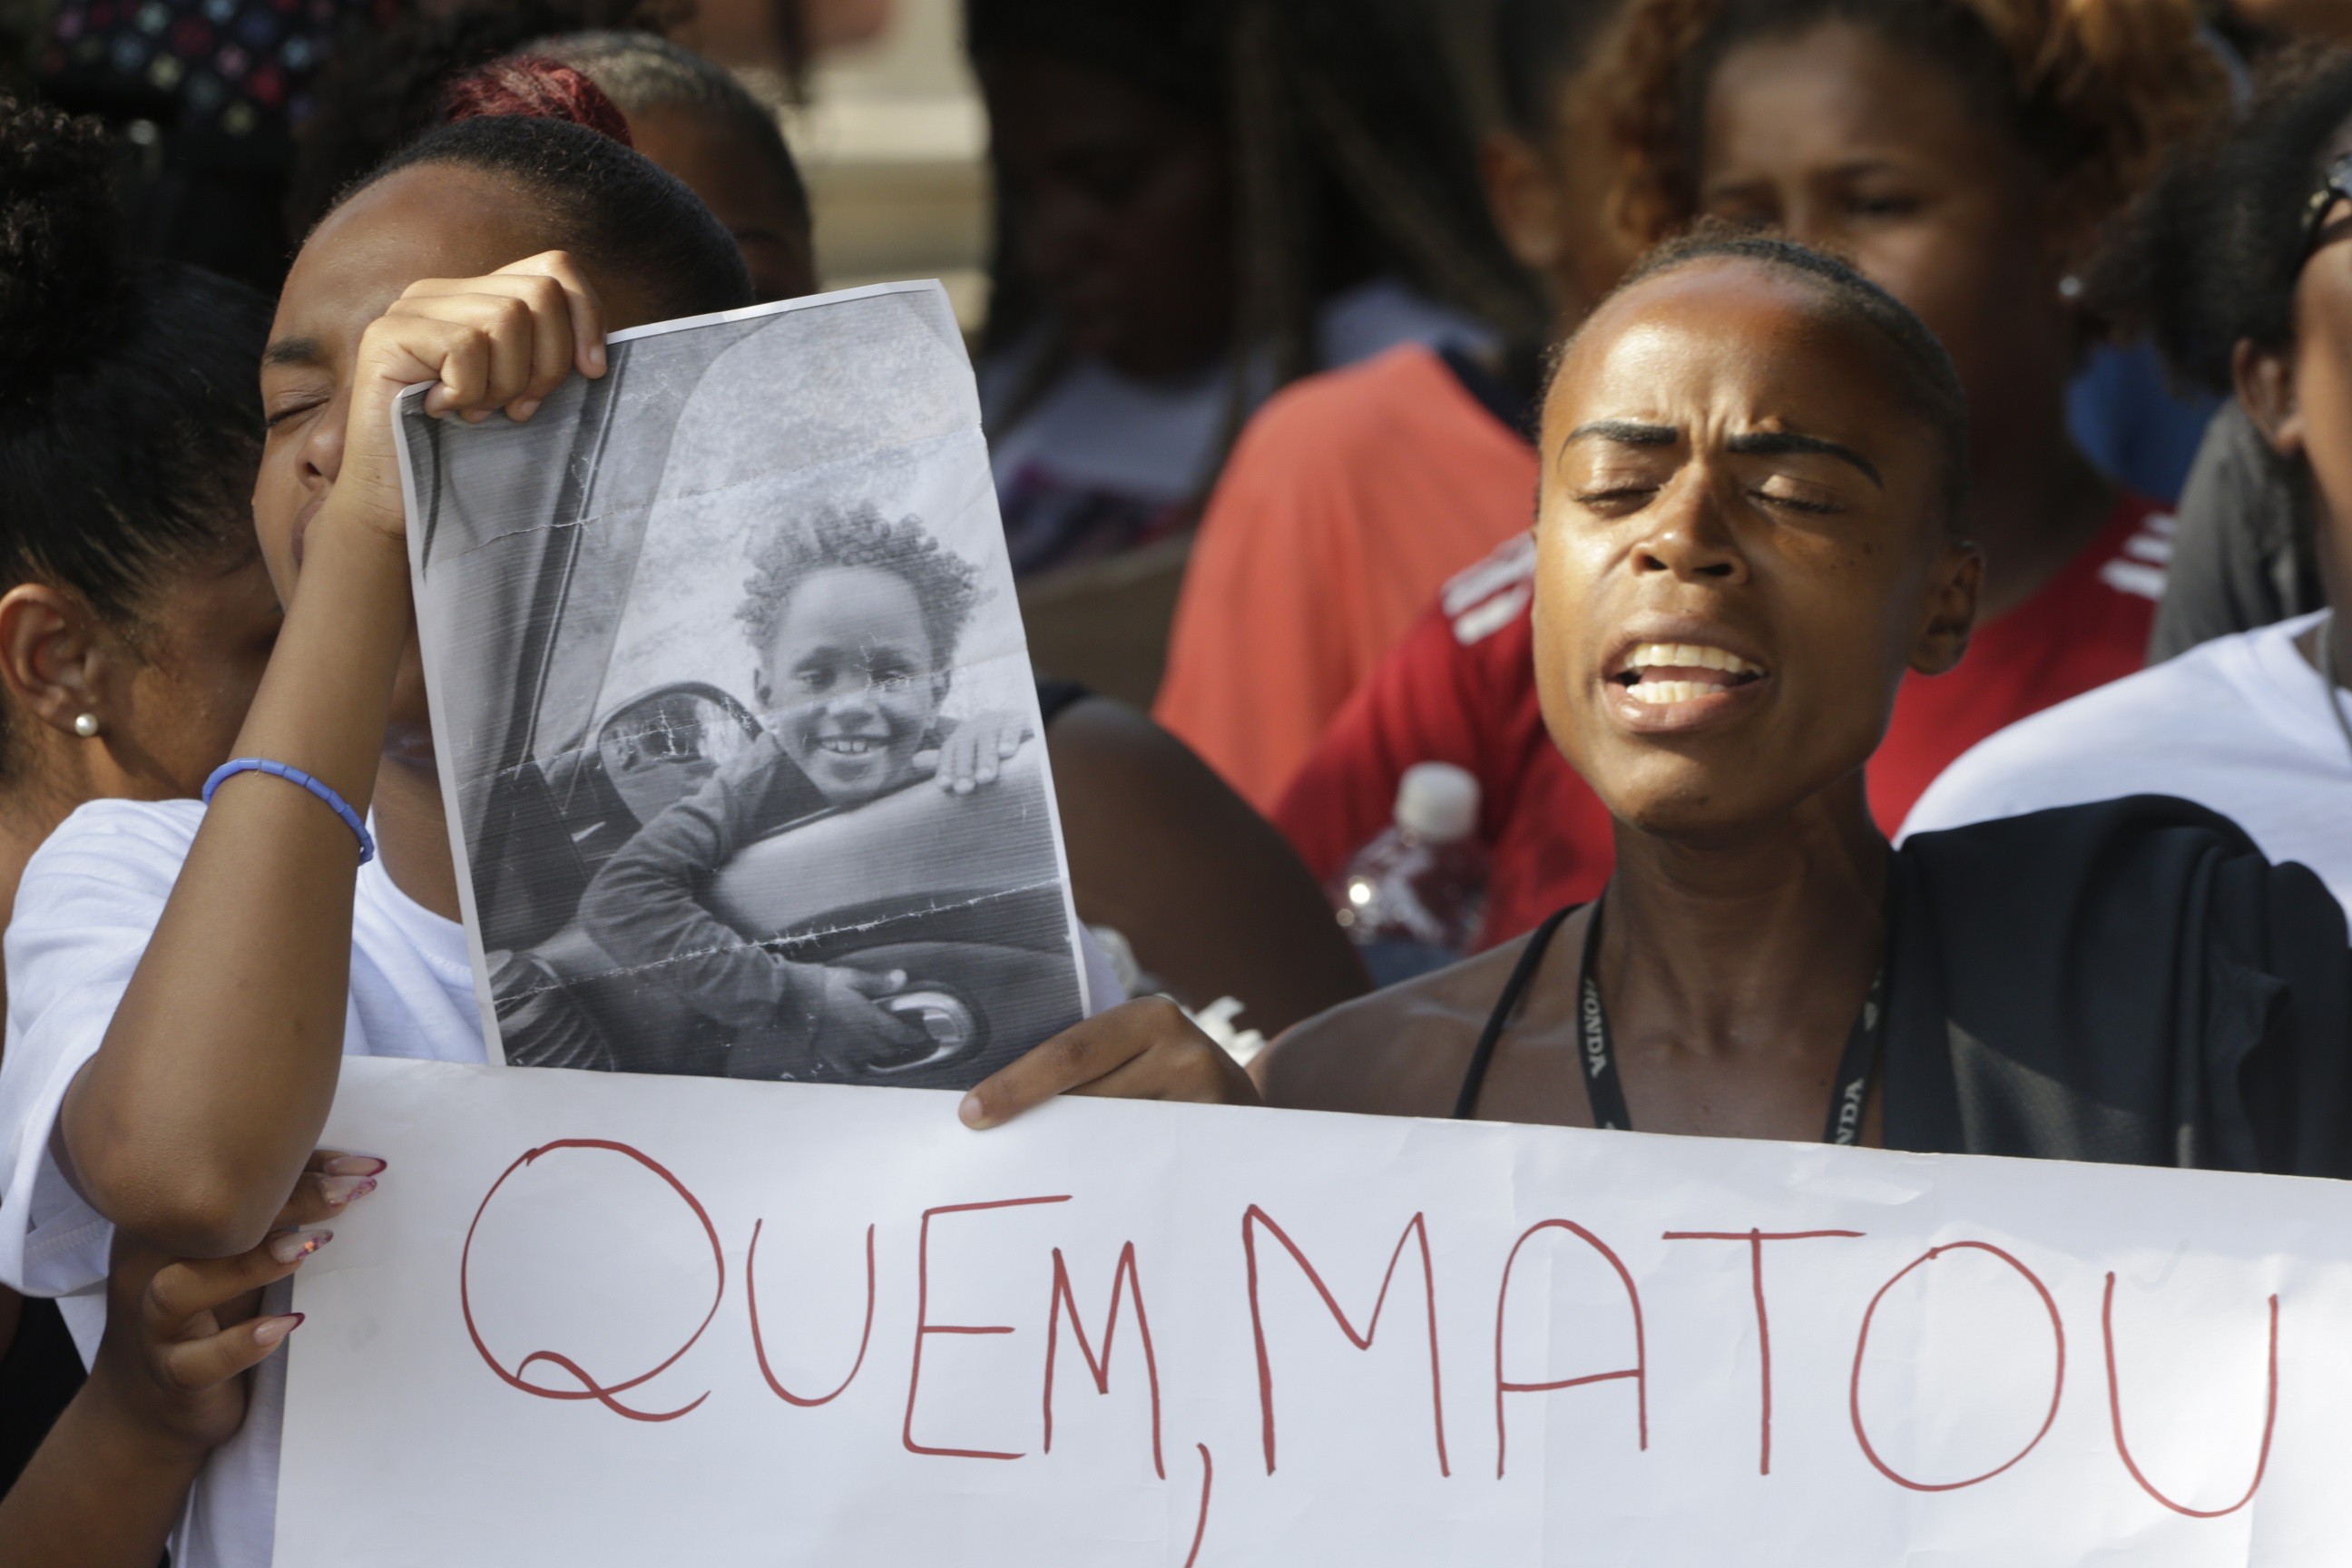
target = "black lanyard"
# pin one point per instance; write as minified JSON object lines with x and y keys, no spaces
{"x":1608,"y":1091}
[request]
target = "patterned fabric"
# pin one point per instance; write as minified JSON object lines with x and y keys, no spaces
{"x":230,"y":67}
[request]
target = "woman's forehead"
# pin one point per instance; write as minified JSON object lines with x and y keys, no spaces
{"x":432,"y":220}
{"x":1724,"y":335}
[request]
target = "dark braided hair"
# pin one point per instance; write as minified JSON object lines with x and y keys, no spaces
{"x":130,"y":393}
{"x":2211,"y":256}
{"x":1924,"y":378}
{"x":607,"y":205}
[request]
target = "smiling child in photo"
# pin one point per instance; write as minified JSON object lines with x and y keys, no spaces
{"x":854,"y":620}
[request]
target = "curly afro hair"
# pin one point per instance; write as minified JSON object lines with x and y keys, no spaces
{"x":2095,"y":90}
{"x":946,"y":585}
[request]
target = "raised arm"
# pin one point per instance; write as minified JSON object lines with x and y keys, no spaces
{"x":190,"y":1124}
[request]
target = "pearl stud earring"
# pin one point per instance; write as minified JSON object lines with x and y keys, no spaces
{"x":86,"y":725}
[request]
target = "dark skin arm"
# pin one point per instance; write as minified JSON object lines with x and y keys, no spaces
{"x":106,"y":1487}
{"x":192,"y":1123}
{"x":1214,"y":898}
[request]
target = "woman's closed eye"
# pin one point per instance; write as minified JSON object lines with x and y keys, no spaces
{"x":1614,"y":496}
{"x":281,"y":414}
{"x":1786,"y":494}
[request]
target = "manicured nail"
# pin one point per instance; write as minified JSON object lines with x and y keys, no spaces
{"x":963,"y":786}
{"x":269,"y":1330}
{"x":596,"y":359}
{"x":341,"y":1190}
{"x":970,"y":1112}
{"x":523,"y":410}
{"x":354,"y":1165}
{"x":297,"y":1245}
{"x":988,"y":775}
{"x":475,"y":416}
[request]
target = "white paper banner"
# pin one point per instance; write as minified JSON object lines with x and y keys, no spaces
{"x":595,"y":1320}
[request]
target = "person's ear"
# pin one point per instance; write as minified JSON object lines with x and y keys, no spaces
{"x":2265,"y":382}
{"x":1951,"y":610}
{"x":1524,"y":196}
{"x":55,"y":658}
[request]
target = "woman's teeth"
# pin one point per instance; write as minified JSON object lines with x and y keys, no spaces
{"x":847,"y":745}
{"x":1659,"y":693}
{"x":1688,"y":656}
{"x":1659,"y":674}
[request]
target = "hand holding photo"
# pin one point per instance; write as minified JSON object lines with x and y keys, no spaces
{"x":734,"y":710}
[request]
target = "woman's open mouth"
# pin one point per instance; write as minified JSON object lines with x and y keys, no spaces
{"x":1657,"y":687}
{"x":1658,"y":673}
{"x":851,"y":745}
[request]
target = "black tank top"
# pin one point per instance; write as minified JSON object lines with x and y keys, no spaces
{"x":1605,"y":1092}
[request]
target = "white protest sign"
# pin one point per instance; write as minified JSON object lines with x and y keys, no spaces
{"x":599,"y":1320}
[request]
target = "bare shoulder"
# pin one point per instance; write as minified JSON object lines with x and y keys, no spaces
{"x":1402,"y":1051}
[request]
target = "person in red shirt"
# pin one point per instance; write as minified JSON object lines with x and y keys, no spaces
{"x":1858,"y":128}
{"x":1354,"y":494}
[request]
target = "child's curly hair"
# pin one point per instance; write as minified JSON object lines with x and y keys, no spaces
{"x":2096,"y":90}
{"x":946,"y":585}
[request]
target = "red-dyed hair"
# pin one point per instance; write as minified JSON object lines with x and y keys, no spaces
{"x":535,"y":88}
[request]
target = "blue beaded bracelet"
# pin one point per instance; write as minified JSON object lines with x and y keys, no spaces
{"x":325,"y":792}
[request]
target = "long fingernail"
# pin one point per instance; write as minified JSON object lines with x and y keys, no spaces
{"x":354,"y":1165}
{"x":341,"y":1190}
{"x":269,"y":1330}
{"x":297,"y":1245}
{"x":970,"y":1112}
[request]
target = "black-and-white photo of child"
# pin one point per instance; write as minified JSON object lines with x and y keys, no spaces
{"x":731,"y":698}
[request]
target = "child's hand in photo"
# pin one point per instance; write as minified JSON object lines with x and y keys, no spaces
{"x":976,"y":751}
{"x":853,"y":1025}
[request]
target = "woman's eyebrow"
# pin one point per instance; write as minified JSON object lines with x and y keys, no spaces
{"x":1772,"y":442}
{"x":294,"y":351}
{"x":1624,"y":432}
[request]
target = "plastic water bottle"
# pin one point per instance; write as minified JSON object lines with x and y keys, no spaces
{"x":1413,"y":899}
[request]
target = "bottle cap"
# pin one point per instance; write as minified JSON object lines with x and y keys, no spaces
{"x":1437,"y":801}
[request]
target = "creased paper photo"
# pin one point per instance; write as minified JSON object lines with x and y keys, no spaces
{"x":734,"y":712}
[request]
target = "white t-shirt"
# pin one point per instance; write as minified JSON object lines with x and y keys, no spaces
{"x":89,"y":899}
{"x":2240,"y":725}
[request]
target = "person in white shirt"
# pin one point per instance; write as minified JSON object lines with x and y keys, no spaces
{"x":183,"y":980}
{"x":2240,"y":263}
{"x":2240,"y":724}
